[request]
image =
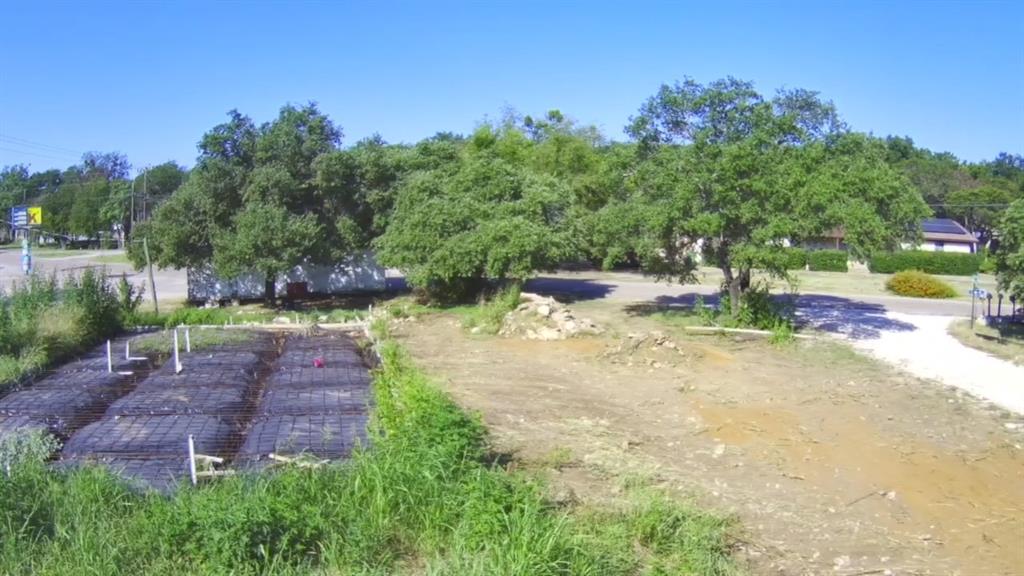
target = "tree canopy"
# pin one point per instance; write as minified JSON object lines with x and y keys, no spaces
{"x":1009,"y":256}
{"x":735,"y":178}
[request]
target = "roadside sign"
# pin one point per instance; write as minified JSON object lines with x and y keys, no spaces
{"x":19,"y":215}
{"x":978,"y":293}
{"x":35,"y":215}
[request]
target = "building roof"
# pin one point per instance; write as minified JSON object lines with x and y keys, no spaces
{"x":946,"y":230}
{"x":933,"y":229}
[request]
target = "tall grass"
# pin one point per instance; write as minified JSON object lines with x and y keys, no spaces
{"x":489,"y":313}
{"x":423,"y":498}
{"x":43,"y":320}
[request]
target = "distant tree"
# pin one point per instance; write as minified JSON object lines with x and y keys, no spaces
{"x":258,"y":199}
{"x":1009,"y":256}
{"x":735,"y":177}
{"x":265,"y":238}
{"x":979,"y":209}
{"x":483,"y":218}
{"x":109,"y":166}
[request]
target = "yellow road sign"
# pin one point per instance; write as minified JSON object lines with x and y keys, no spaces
{"x":35,"y":215}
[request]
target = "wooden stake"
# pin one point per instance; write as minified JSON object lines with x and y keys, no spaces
{"x":149,"y":266}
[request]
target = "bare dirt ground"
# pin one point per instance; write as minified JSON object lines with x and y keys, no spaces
{"x":832,"y":462}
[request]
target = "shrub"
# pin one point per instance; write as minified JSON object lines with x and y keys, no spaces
{"x":827,"y":260}
{"x":946,"y":263}
{"x":919,"y":284}
{"x":97,"y":300}
{"x":794,"y":258}
{"x":488,"y":316}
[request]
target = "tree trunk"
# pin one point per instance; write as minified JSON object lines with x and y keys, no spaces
{"x":733,"y":285}
{"x":270,"y":289}
{"x":735,"y":293}
{"x":744,"y":279}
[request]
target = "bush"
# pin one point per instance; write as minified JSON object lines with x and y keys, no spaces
{"x":946,"y":263}
{"x":794,"y":258}
{"x":488,"y":316}
{"x":919,"y":284}
{"x":43,"y":321}
{"x":827,"y":260}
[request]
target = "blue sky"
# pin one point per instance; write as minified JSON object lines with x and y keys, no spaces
{"x":148,"y":79}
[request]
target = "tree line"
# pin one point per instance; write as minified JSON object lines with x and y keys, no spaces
{"x":715,"y":173}
{"x":90,"y":200}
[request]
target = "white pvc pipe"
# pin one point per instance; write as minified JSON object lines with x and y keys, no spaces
{"x":127,"y":349}
{"x":188,"y":341}
{"x":110,"y":359}
{"x":192,"y":459}
{"x":177,"y":360}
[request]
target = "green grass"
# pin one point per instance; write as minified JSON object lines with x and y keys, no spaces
{"x":117,"y":258}
{"x":424,"y":498}
{"x":487,"y":316}
{"x":246,"y":314}
{"x":162,"y":342}
{"x":1005,"y":341}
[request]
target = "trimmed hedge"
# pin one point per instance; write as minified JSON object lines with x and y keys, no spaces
{"x":946,"y":263}
{"x":795,"y":258}
{"x":919,"y":285}
{"x":827,"y":260}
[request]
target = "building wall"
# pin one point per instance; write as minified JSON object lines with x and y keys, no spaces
{"x":357,"y":274}
{"x":929,"y":246}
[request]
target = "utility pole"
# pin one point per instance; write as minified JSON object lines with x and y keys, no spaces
{"x":149,"y":266}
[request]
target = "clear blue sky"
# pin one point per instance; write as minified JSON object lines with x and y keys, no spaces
{"x":147,"y":79}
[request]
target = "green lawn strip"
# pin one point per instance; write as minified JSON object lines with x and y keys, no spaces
{"x":162,"y":342}
{"x":423,"y":498}
{"x":1006,"y":341}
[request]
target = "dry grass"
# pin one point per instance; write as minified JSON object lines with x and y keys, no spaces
{"x":1006,"y":342}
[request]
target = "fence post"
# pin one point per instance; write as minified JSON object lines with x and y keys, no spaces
{"x":999,"y":305}
{"x":149,"y":266}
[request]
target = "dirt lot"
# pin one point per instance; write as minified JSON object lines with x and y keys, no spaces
{"x":832,"y":462}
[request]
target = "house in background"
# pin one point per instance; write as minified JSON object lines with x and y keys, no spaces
{"x":945,"y":235}
{"x":938,"y":235}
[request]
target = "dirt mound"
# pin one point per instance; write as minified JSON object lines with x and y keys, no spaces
{"x":543,"y":318}
{"x":654,"y":349}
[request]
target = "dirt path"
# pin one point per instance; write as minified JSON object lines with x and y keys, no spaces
{"x":832,"y":462}
{"x":930,"y":352}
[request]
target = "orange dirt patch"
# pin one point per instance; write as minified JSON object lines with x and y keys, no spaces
{"x":833,"y":463}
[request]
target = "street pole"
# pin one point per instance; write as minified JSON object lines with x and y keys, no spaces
{"x":149,"y":265}
{"x":974,"y":294}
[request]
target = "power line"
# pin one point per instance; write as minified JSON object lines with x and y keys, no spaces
{"x":16,"y":151}
{"x":39,"y":145}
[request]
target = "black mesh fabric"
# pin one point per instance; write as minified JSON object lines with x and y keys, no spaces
{"x":64,"y":410}
{"x":150,"y":436}
{"x":223,"y":401}
{"x":160,"y":474}
{"x":299,"y":401}
{"x":324,"y":436}
{"x":356,"y":377}
{"x":22,"y":423}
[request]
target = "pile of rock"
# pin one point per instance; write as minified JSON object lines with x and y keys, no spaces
{"x":652,"y":348}
{"x":544,"y":318}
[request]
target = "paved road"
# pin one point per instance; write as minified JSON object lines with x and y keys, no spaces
{"x":621,"y":286}
{"x":635,"y":287}
{"x":171,"y":284}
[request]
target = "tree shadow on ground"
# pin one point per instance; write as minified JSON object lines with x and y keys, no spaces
{"x":850,"y":318}
{"x":568,"y":289}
